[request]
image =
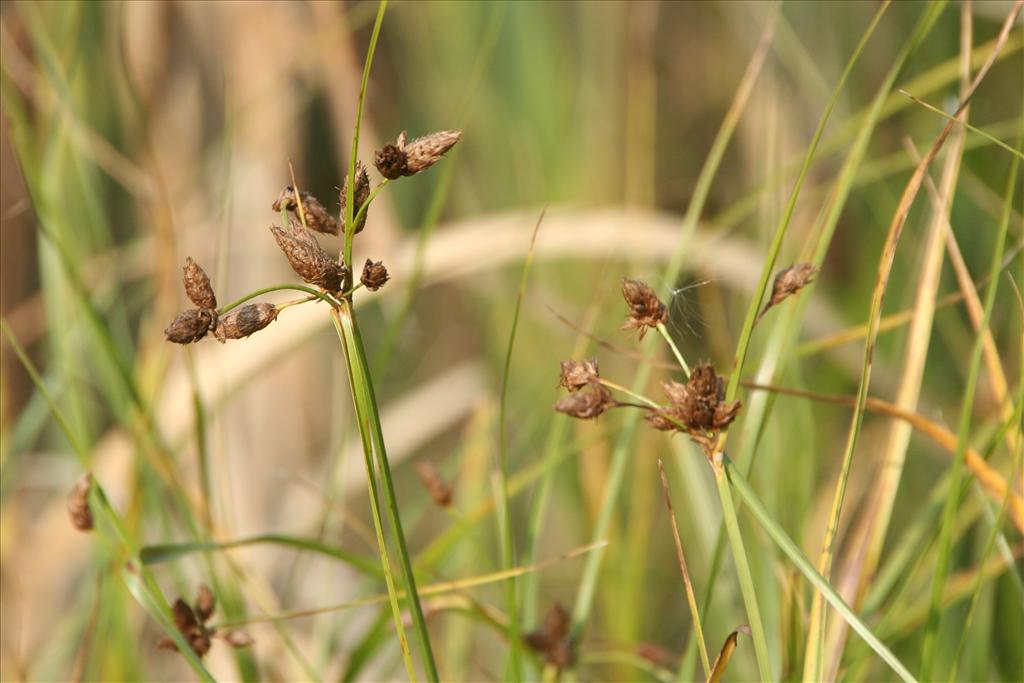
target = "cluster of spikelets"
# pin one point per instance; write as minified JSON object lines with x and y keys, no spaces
{"x":191,"y":622}
{"x":696,"y":408}
{"x":306,"y":215}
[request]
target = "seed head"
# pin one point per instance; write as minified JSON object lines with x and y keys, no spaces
{"x":374,"y":275}
{"x":317,"y":217}
{"x":440,"y":492}
{"x":308,"y":259}
{"x":205,"y":603}
{"x":426,"y":151}
{"x":197,"y":285}
{"x":552,"y":639}
{"x":78,"y":503}
{"x":586,"y":405}
{"x":789,"y":282}
{"x":577,"y":374}
{"x":189,"y":625}
{"x":409,"y":158}
{"x":191,"y":325}
{"x":697,"y":407}
{"x":645,"y":309}
{"x":361,"y":192}
{"x":245,"y":321}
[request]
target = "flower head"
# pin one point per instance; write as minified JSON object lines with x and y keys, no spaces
{"x":645,"y":308}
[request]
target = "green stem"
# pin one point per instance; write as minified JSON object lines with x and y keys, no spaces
{"x":675,"y":349}
{"x":359,"y":376}
{"x":323,"y":296}
{"x":791,"y":550}
{"x":350,"y":225}
{"x":359,"y":401}
{"x":739,"y":555}
{"x":930,"y":653}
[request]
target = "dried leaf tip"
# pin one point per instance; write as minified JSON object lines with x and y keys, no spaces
{"x":586,"y":405}
{"x":197,"y":285}
{"x":361,"y":192}
{"x":191,"y":325}
{"x":374,"y":276}
{"x":317,"y":217}
{"x":552,"y":639}
{"x":78,"y":503}
{"x":308,"y":259}
{"x":245,"y":321}
{"x":577,"y":374}
{"x":645,"y":308}
{"x":409,"y":158}
{"x":789,"y":282}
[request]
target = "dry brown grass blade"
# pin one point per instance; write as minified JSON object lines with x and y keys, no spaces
{"x":691,"y":598}
{"x":990,"y":480}
{"x":725,"y":654}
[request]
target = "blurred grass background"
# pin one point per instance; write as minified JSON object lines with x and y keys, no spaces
{"x":135,"y":134}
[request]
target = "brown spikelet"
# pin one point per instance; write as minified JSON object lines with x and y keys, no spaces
{"x":374,"y":275}
{"x":409,"y":158}
{"x":361,"y":192}
{"x":205,"y":603}
{"x":191,"y":325}
{"x":577,"y":374}
{"x":551,"y":640}
{"x":424,"y":152}
{"x":197,"y":285}
{"x":439,"y":491}
{"x":588,"y":404}
{"x":789,"y":282}
{"x":195,"y":633}
{"x":78,"y":503}
{"x":391,"y":159}
{"x":697,"y":407}
{"x":308,"y":259}
{"x":244,"y":321}
{"x":317,"y":217}
{"x":645,"y":309}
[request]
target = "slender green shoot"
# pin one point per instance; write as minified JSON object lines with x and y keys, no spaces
{"x":930,"y":653}
{"x":508,"y":551}
{"x":974,"y":129}
{"x":675,"y":349}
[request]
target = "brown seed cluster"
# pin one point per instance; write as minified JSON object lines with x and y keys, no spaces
{"x":306,"y":214}
{"x":645,"y":308}
{"x":192,"y":325}
{"x":403,"y":158}
{"x":360,"y":193}
{"x":588,"y":404}
{"x":317,"y":217}
{"x":78,"y":503}
{"x":244,"y":321}
{"x":191,"y":620}
{"x":308,"y":259}
{"x":374,"y":276}
{"x":788,"y":282}
{"x":697,"y":408}
{"x":577,"y":374}
{"x":551,"y":640}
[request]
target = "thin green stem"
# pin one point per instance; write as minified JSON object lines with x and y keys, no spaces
{"x":780,"y":231}
{"x":359,"y":375}
{"x":791,"y":550}
{"x":929,"y":654}
{"x":503,"y":510}
{"x":360,"y":404}
{"x":739,"y":555}
{"x":675,"y":349}
{"x":323,"y":296}
{"x":629,"y":392}
{"x":974,"y":129}
{"x":350,"y":224}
